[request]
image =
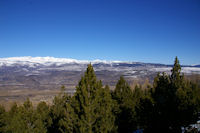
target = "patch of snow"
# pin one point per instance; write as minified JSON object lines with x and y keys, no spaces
{"x":161,"y":69}
{"x":191,"y":70}
{"x":183,"y":69}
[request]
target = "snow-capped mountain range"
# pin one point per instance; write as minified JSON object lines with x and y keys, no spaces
{"x":34,"y":72}
{"x":32,"y":61}
{"x":57,"y":63}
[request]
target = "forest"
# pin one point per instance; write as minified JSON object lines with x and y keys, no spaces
{"x":170,"y":105}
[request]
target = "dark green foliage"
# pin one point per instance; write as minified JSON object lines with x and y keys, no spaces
{"x":85,"y":101}
{"x":125,"y":116}
{"x":176,"y":78}
{"x":104,"y":111}
{"x":145,"y":113}
{"x":174,"y":103}
{"x":61,"y":114}
{"x":188,"y":104}
{"x":92,"y":105}
{"x":138,"y":93}
{"x":2,"y":118}
{"x":22,"y":119}
{"x":42,"y":114}
{"x":123,"y":93}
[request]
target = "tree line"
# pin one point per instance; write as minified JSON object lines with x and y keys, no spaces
{"x":169,"y":105}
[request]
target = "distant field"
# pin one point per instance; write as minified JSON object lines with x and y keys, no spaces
{"x":18,"y":94}
{"x":8,"y":96}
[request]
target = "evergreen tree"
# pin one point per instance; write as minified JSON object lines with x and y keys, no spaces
{"x":21,"y":119}
{"x":92,"y":105}
{"x":145,"y":114}
{"x":13,"y":110}
{"x":105,"y":121}
{"x":164,"y":95}
{"x":61,"y":114}
{"x":124,"y":97}
{"x":12,"y":119}
{"x":164,"y":106}
{"x":176,"y":77}
{"x":138,"y":93}
{"x":175,"y":103}
{"x":26,"y":119}
{"x":43,"y":120}
{"x":2,"y":118}
{"x":188,"y":103}
{"x":27,"y":115}
{"x":85,"y":101}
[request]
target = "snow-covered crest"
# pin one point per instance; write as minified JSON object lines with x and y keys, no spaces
{"x":28,"y":60}
{"x":39,"y":59}
{"x":37,"y":65}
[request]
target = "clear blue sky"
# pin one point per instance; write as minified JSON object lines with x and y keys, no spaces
{"x":127,"y":30}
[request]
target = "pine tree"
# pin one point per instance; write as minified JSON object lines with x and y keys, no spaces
{"x":176,"y":77}
{"x":145,"y":114}
{"x":164,"y":95}
{"x":43,"y":120}
{"x":61,"y":114}
{"x":123,"y":93}
{"x":188,"y":103}
{"x":2,"y":118}
{"x":105,"y":121}
{"x":137,"y":94}
{"x":175,"y":102}
{"x":164,"y":105}
{"x":21,"y":119}
{"x":124,"y":97}
{"x":85,"y":102}
{"x":89,"y":104}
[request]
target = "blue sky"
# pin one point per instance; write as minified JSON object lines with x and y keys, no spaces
{"x":128,"y":30}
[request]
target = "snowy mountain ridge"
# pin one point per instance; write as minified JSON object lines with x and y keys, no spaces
{"x":28,"y":60}
{"x":36,"y":64}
